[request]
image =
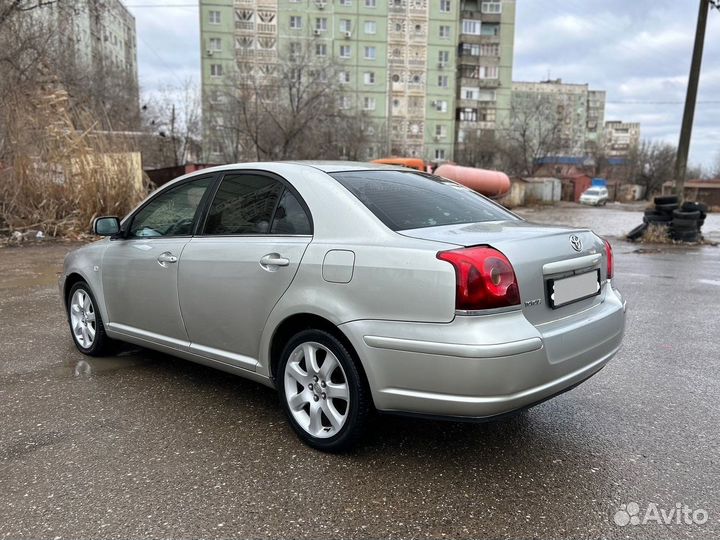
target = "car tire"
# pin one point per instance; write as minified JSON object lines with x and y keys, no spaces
{"x":667,"y":208}
{"x":679,"y":214}
{"x":637,"y":232}
{"x":653,"y":216}
{"x":668,"y":199}
{"x":329,"y":423}
{"x":86,"y":325}
{"x":689,"y":206}
{"x":679,"y":223}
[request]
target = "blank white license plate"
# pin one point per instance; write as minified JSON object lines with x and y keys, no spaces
{"x":573,"y":289}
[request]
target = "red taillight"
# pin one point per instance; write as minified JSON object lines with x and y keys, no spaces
{"x":610,"y":260}
{"x":484,"y":278}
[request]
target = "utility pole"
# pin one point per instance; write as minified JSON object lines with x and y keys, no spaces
{"x":689,"y":114}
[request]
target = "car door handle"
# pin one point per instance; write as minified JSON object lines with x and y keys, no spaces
{"x":166,"y":257}
{"x":274,"y":259}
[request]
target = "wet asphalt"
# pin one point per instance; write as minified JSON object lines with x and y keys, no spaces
{"x":143,"y":445}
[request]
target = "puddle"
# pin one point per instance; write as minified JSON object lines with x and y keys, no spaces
{"x":88,"y":367}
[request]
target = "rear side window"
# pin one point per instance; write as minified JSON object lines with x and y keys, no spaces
{"x":290,"y":217}
{"x":412,"y":200}
{"x":243,"y":204}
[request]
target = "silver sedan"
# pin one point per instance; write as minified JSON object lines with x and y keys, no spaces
{"x":350,"y":288}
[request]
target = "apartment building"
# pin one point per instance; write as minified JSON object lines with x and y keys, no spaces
{"x":485,"y":60}
{"x":398,"y":62}
{"x":577,"y":111}
{"x":97,"y":36}
{"x":621,"y":137}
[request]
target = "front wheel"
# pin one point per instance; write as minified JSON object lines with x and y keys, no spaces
{"x":86,"y":325}
{"x":322,"y":391}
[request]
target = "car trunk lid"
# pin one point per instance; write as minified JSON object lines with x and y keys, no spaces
{"x":538,"y":253}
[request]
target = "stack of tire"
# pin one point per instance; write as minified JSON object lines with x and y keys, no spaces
{"x":683,"y":223}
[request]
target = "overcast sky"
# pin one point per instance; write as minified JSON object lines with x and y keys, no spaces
{"x":637,"y":50}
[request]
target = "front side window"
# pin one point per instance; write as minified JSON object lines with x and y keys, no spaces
{"x":410,"y":200}
{"x":170,"y":213}
{"x":243,"y":204}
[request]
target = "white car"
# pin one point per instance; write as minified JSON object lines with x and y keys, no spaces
{"x":595,"y":196}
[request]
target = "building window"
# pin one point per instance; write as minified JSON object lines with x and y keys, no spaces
{"x":345,"y":51}
{"x":470,"y":49}
{"x":445,"y":6}
{"x":215,"y":44}
{"x":487,"y":115}
{"x":345,"y":25}
{"x":490,"y":49}
{"x":467,"y":115}
{"x":486,"y":95}
{"x":444,"y":31}
{"x":370,"y":53}
{"x":370,"y":3}
{"x":214,"y":17}
{"x":321,"y":24}
{"x":369,"y":103}
{"x":295,"y":48}
{"x":345,"y":102}
{"x":471,"y":27}
{"x":216,"y":70}
{"x":295,"y":22}
{"x":440,"y":131}
{"x":346,"y":3}
{"x":439,"y":153}
{"x":488,"y":72}
{"x":370,"y":27}
{"x":344,"y":77}
{"x":443,"y":81}
{"x":443,"y":58}
{"x":370,"y":77}
{"x":441,"y":105}
{"x":491,"y":7}
{"x":490,"y":29}
{"x":320,"y":49}
{"x":469,"y":92}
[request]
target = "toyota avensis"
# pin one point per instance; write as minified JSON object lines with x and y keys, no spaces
{"x":351,"y":287}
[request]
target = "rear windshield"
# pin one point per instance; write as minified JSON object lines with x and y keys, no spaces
{"x":413,"y":200}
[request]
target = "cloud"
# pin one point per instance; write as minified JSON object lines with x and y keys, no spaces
{"x":639,"y":52}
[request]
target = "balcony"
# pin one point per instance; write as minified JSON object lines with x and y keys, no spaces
{"x":266,"y":28}
{"x":245,"y":26}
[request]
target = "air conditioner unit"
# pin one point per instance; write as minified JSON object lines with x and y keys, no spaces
{"x":316,"y":32}
{"x":348,"y":34}
{"x":210,"y":52}
{"x":442,"y":65}
{"x":321,"y":5}
{"x":433,"y":103}
{"x":438,"y":138}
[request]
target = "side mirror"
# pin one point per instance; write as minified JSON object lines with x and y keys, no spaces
{"x":106,"y":226}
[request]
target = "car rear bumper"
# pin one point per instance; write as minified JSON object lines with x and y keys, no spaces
{"x":484,"y":366}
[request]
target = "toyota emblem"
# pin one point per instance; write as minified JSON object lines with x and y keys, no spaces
{"x":575,"y":242}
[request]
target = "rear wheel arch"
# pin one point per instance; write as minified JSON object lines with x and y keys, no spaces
{"x":304,"y":321}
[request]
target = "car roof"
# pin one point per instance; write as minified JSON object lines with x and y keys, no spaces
{"x":324,"y":166}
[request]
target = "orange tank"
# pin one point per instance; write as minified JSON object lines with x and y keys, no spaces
{"x":411,"y":163}
{"x":489,"y":183}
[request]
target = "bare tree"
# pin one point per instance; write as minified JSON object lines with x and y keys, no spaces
{"x":288,"y":110}
{"x":476,"y":150}
{"x":651,"y":164}
{"x":534,"y":132}
{"x":174,"y":113}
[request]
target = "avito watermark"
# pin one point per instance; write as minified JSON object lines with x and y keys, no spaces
{"x":680,"y":514}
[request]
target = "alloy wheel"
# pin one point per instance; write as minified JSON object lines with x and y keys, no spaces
{"x":83,"y":319}
{"x":316,"y":390}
